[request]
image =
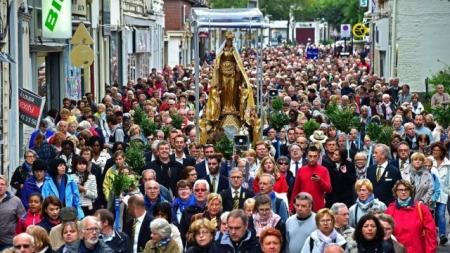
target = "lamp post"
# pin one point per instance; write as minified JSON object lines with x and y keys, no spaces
{"x":335,"y":34}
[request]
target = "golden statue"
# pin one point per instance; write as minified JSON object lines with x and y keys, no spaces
{"x":230,"y":96}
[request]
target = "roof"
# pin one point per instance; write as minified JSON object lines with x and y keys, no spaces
{"x":228,"y":18}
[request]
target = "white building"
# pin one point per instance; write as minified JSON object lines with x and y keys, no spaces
{"x":411,"y":39}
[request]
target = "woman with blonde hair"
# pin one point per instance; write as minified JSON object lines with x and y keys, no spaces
{"x":41,"y":239}
{"x":201,"y":236}
{"x":213,"y":208}
{"x":71,"y":237}
{"x":421,"y":179}
{"x":365,"y":203}
{"x":269,"y":166}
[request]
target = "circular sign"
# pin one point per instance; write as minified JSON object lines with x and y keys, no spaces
{"x":359,"y":30}
{"x":82,"y":56}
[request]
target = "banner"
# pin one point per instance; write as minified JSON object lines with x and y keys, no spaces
{"x":30,"y":107}
{"x":56,"y":19}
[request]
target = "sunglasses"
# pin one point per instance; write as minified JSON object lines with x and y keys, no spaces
{"x":200,"y":190}
{"x":25,"y":246}
{"x":283,"y":163}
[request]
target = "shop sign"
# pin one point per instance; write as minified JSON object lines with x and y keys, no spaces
{"x":57,"y":19}
{"x":79,"y":7}
{"x":30,"y":107}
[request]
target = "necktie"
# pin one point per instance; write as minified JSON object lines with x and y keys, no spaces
{"x":402,"y":163}
{"x":379,"y":173}
{"x":214,"y":184}
{"x":296,"y":166}
{"x":236,"y":200}
{"x":133,"y":228}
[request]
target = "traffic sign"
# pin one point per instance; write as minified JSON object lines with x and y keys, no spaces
{"x":360,"y":30}
{"x":345,"y":30}
{"x":82,"y":56}
{"x":82,"y":36}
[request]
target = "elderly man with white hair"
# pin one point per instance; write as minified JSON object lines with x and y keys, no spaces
{"x":23,"y":243}
{"x":90,"y":237}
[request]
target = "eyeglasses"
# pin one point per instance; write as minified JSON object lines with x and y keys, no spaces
{"x":403,"y":190}
{"x":283,"y":163}
{"x":236,"y":177}
{"x":90,"y":230}
{"x":200,"y":190}
{"x":19,"y":246}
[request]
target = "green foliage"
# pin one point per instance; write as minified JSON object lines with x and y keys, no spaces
{"x":228,"y":3}
{"x":278,"y":120}
{"x":139,"y":116}
{"x":343,"y":119}
{"x":224,"y":146}
{"x":177,"y":121}
{"x":122,"y":183}
{"x":310,"y":126}
{"x":335,"y":12}
{"x":380,"y":133}
{"x":441,"y":115}
{"x":166,"y":131}
{"x":277,"y":104}
{"x":134,"y":156}
{"x":442,"y":77}
{"x":148,"y":127}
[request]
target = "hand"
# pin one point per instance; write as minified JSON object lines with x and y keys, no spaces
{"x":343,"y":169}
{"x":81,"y":189}
{"x":315,"y":178}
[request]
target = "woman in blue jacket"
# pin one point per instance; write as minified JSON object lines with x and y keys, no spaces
{"x":61,"y":185}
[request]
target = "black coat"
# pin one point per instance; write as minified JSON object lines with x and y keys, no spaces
{"x":188,"y":161}
{"x":167,"y":174}
{"x":144,"y":233}
{"x":186,"y":218}
{"x":227,"y":198}
{"x":383,"y":188}
{"x":198,"y":249}
{"x":342,"y":184}
{"x":120,"y":242}
{"x":221,"y":185}
{"x":249,"y":244}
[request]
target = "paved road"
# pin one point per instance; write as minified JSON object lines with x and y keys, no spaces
{"x":445,"y":248}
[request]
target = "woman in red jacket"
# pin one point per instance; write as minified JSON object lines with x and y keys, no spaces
{"x":414,"y":224}
{"x":269,"y":166}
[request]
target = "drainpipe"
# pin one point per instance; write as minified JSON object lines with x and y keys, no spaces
{"x":393,"y":70}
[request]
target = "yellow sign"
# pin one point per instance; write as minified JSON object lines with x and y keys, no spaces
{"x":82,"y":55}
{"x":82,"y":36}
{"x":360,"y":30}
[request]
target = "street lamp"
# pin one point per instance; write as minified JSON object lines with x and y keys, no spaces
{"x":335,"y":34}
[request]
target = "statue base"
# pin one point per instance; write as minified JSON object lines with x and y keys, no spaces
{"x":231,"y":125}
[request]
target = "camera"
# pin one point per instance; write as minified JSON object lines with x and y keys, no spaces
{"x":273,"y":92}
{"x":241,"y":143}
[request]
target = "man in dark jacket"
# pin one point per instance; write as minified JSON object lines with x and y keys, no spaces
{"x":34,"y":183}
{"x":91,"y":242}
{"x":138,"y":228}
{"x":167,"y":171}
{"x":118,"y":241}
{"x":239,"y":238}
{"x":201,"y":191}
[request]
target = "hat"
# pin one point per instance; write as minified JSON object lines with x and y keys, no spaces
{"x":323,"y":125}
{"x":318,"y":136}
{"x":68,"y":214}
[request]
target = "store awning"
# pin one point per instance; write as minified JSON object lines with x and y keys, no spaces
{"x":228,"y":18}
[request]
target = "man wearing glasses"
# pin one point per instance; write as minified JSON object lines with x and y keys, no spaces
{"x":201,"y":191}
{"x":234,"y":197}
{"x":23,"y":243}
{"x":90,"y":235}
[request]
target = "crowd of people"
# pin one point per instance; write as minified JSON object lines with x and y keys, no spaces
{"x":325,"y":193}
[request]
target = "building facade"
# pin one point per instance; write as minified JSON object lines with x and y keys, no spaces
{"x":410,"y":39}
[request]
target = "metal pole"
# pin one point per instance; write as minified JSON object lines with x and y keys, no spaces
{"x":197,"y":84}
{"x":260,"y":76}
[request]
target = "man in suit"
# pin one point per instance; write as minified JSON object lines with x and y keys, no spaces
{"x":167,"y":171}
{"x":284,"y":149}
{"x":402,"y":162}
{"x":138,"y":228}
{"x":234,"y":197}
{"x":202,"y":167}
{"x":297,"y":160}
{"x":216,"y":181}
{"x":330,"y":147}
{"x":180,"y":155}
{"x":382,"y":175}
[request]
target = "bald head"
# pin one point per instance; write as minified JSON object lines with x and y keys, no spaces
{"x":333,"y":248}
{"x":23,"y":243}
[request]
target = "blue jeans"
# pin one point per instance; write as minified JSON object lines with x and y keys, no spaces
{"x":440,"y":218}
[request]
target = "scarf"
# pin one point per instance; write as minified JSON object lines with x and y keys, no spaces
{"x":261,"y":223}
{"x":366,"y":204}
{"x":27,"y":168}
{"x":179,"y":204}
{"x":325,"y":240}
{"x":162,"y":242}
{"x":403,"y":203}
{"x":360,"y":172}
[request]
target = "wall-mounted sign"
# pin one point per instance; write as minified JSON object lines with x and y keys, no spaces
{"x":57,"y":19}
{"x":30,"y":107}
{"x":79,"y":7}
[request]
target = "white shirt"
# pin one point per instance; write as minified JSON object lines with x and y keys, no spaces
{"x":405,"y":172}
{"x":233,"y":191}
{"x":292,"y":166}
{"x":136,"y":232}
{"x":383,"y":167}
{"x":216,"y":184}
{"x":180,"y":159}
